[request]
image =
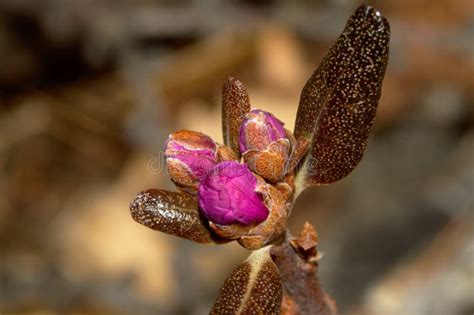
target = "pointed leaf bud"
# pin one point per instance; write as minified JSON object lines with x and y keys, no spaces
{"x":227,"y":195}
{"x":189,"y":155}
{"x":264,"y":145}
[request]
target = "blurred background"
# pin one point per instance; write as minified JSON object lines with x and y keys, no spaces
{"x":90,"y":89}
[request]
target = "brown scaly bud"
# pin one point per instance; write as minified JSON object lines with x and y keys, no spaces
{"x":306,"y":244}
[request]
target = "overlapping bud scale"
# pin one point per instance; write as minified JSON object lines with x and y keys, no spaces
{"x":264,"y":145}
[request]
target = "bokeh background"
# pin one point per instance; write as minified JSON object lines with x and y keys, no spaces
{"x":90,"y":89}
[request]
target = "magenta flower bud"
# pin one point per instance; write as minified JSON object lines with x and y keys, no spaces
{"x":227,"y":195}
{"x":259,"y":130}
{"x":189,"y":155}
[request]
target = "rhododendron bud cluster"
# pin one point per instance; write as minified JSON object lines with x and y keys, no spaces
{"x":244,"y":189}
{"x":243,"y":198}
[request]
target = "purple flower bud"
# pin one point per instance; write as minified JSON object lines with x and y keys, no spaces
{"x":259,"y":130}
{"x":264,"y":145}
{"x":227,"y":195}
{"x":189,"y":155}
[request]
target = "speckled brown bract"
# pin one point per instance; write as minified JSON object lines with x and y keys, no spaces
{"x":173,"y":213}
{"x":254,"y":287}
{"x":266,"y":295}
{"x":235,"y":105}
{"x":307,"y":242}
{"x":233,"y":291}
{"x":338,"y":103}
